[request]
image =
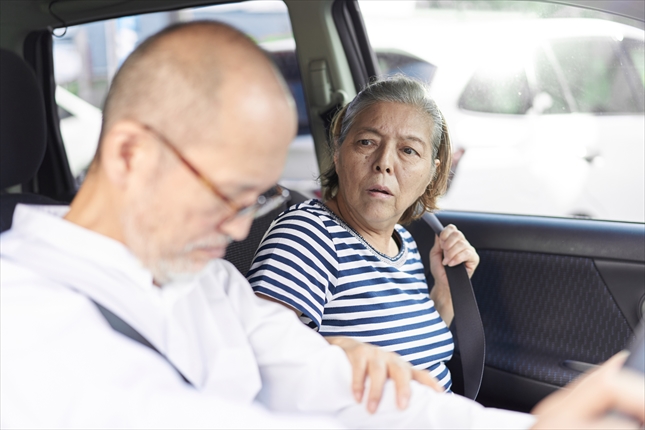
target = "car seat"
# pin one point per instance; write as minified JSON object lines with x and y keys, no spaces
{"x":23,"y":134}
{"x":241,"y":253}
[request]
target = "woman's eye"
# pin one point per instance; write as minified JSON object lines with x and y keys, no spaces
{"x":410,"y":151}
{"x":364,"y":142}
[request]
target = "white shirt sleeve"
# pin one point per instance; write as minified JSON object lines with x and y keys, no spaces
{"x":302,"y":373}
{"x":64,"y":367}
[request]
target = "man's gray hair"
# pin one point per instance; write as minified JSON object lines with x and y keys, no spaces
{"x":396,"y":89}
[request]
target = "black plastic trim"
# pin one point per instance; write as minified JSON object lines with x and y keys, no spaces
{"x":575,"y":237}
{"x":54,"y":178}
{"x":507,"y":391}
{"x":626,"y":283}
{"x":353,"y":35}
{"x":502,"y":389}
{"x":579,"y":366}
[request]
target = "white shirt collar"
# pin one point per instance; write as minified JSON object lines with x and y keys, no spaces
{"x":48,"y":225}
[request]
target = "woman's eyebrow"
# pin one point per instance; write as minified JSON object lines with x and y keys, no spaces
{"x":414,"y":138}
{"x":375,"y":131}
{"x":370,"y":130}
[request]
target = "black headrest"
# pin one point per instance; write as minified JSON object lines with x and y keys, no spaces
{"x":22,"y":121}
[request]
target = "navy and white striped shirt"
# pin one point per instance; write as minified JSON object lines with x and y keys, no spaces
{"x":314,"y":262}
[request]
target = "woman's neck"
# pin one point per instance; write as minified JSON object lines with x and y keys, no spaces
{"x":379,"y":238}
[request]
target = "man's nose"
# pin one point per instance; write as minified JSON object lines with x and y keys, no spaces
{"x":385,"y":159}
{"x":237,"y":228}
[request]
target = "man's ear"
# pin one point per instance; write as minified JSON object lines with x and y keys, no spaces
{"x":124,"y":151}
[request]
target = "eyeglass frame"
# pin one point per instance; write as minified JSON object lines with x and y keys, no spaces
{"x":263,"y":205}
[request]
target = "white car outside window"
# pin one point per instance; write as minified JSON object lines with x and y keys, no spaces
{"x":548,"y":112}
{"x":546,"y":115}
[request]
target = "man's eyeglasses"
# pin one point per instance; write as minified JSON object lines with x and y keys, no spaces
{"x":265,"y":203}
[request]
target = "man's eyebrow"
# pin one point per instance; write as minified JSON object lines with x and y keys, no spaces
{"x":375,"y":131}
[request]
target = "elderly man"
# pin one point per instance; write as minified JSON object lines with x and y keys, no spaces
{"x":196,"y":127}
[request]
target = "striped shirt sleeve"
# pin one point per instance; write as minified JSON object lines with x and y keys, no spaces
{"x":296,"y":264}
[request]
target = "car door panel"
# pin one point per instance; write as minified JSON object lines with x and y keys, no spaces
{"x":554,"y":295}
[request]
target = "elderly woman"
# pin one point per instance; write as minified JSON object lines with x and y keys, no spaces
{"x":346,"y":265}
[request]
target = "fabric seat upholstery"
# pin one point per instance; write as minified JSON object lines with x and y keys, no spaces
{"x":23,"y":137}
{"x":241,"y":253}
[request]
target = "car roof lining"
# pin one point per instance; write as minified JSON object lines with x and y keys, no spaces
{"x":312,"y":24}
{"x":23,"y":16}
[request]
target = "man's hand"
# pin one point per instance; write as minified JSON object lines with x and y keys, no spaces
{"x":450,"y":249}
{"x":587,"y":402}
{"x":379,"y":365}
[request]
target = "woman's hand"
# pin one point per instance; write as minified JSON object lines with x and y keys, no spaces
{"x":450,"y":249}
{"x":380,"y":365}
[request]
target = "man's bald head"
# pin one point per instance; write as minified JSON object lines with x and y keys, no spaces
{"x":212,"y":94}
{"x":171,"y":82}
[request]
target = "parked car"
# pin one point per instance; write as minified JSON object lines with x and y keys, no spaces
{"x":547,"y":119}
{"x":80,"y":126}
{"x":540,"y":122}
{"x":556,"y":295}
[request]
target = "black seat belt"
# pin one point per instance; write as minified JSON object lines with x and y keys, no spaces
{"x":468,"y":321}
{"x":127,"y":330}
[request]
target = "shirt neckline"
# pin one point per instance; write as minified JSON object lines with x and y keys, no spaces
{"x":48,"y":225}
{"x":396,"y":261}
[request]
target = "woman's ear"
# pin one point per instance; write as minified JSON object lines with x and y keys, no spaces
{"x":336,"y":151}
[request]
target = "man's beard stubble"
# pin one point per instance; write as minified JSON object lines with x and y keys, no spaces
{"x":167,"y":261}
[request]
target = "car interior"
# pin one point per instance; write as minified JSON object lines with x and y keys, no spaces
{"x":557,"y":296}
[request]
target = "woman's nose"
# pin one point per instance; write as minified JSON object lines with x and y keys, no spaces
{"x":384,"y":161}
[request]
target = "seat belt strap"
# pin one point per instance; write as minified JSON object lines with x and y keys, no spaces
{"x":127,"y":330}
{"x":468,"y":322}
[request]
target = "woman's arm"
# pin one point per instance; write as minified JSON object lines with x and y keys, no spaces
{"x":450,"y":249}
{"x":380,"y":365}
{"x":377,"y":364}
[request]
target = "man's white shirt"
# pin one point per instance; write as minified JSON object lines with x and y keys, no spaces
{"x":251,"y":362}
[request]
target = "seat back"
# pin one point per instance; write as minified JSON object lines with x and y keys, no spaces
{"x":241,"y":253}
{"x":23,"y":137}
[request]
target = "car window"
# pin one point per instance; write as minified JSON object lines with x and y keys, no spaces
{"x":636,"y":53}
{"x":550,"y":83}
{"x":502,"y":91}
{"x":544,"y":102}
{"x":399,"y":62}
{"x":593,"y":72}
{"x":87,"y":57}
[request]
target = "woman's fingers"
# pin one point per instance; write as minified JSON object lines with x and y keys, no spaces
{"x":377,"y":370}
{"x":379,"y":365}
{"x":424,"y":377}
{"x":456,"y":249}
{"x":401,"y":374}
{"x":359,"y":373}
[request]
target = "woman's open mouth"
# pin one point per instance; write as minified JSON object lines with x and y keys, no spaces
{"x":379,"y":191}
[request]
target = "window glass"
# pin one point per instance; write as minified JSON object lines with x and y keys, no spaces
{"x":636,"y":52}
{"x":87,"y":57}
{"x":544,"y":102}
{"x":549,"y":82}
{"x":399,"y":62}
{"x":503,"y":91}
{"x":594,"y":73}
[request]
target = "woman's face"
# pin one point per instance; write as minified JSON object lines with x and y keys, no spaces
{"x":385,"y":163}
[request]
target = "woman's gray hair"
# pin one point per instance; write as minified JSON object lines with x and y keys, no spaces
{"x":396,"y":89}
{"x":410,"y":92}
